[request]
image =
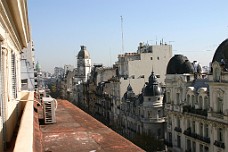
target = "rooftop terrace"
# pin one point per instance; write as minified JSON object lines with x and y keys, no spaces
{"x":75,"y":130}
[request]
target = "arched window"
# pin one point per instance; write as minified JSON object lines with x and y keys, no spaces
{"x":188,"y":99}
{"x":206,"y":103}
{"x":193,"y":100}
{"x":200,"y":102}
{"x":168,"y":97}
{"x":219,"y":105}
{"x":216,"y":75}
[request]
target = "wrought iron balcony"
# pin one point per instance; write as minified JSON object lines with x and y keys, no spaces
{"x":219,"y":144}
{"x":188,"y":132}
{"x":178,"y":129}
{"x":189,"y":109}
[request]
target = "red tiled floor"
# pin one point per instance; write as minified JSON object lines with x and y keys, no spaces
{"x":76,"y":131}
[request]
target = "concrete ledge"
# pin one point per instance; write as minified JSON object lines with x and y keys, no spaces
{"x":24,"y":141}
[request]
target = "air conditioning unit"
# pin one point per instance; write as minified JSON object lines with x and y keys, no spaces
{"x":49,"y":107}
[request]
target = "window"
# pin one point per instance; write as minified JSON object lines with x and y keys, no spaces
{"x":193,"y":100}
{"x":193,"y":146}
{"x":168,"y":97}
{"x":158,"y":58}
{"x":188,"y":144}
{"x":188,"y":99}
{"x":220,"y":134}
{"x":219,"y":105}
{"x":206,"y":149}
{"x":206,"y":103}
{"x":178,"y":98}
{"x":201,"y":129}
{"x":206,"y":130}
{"x":193,"y":126}
{"x":13,"y":74}
{"x":201,"y":148}
{"x":159,"y":132}
{"x":178,"y":141}
{"x":178,"y":122}
{"x":200,"y":102}
{"x":188,"y":123}
{"x":151,"y":58}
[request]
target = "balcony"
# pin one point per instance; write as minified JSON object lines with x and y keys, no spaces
{"x":219,"y":144}
{"x":189,"y":109}
{"x":217,"y":115}
{"x":178,"y":129}
{"x":188,"y":132}
{"x":25,"y":133}
{"x":153,"y":120}
{"x":177,"y":108}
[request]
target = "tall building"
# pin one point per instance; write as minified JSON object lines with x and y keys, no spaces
{"x":83,"y":64}
{"x":195,"y":104}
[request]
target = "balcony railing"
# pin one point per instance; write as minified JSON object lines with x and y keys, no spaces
{"x":25,"y":133}
{"x":189,"y":109}
{"x":178,"y":129}
{"x":217,"y":115}
{"x":188,"y":132}
{"x":219,"y":144}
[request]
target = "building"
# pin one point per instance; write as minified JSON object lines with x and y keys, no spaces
{"x":58,"y":72}
{"x":195,"y":104}
{"x":143,"y":113}
{"x":68,"y":67}
{"x":146,"y":58}
{"x":27,"y":68}
{"x":84,"y":65}
{"x":15,"y":37}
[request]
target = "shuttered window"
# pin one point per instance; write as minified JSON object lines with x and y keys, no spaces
{"x":13,"y":75}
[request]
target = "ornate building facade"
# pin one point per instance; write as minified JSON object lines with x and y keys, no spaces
{"x":196,"y":107}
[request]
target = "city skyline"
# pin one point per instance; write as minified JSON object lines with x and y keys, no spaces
{"x":194,"y":29}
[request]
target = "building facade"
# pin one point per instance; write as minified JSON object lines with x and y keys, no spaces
{"x":14,"y":37}
{"x":196,"y":104}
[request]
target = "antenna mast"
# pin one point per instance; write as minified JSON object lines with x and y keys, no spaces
{"x":122,"y":34}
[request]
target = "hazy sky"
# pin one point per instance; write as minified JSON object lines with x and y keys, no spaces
{"x":195,"y":28}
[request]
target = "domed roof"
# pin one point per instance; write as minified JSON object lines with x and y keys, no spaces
{"x":83,"y":53}
{"x":153,"y":88}
{"x":129,"y":93}
{"x":179,"y":64}
{"x":38,"y":66}
{"x":221,"y":53}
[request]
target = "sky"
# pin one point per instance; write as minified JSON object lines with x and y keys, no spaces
{"x":194,"y":28}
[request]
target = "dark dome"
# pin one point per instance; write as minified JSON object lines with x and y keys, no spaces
{"x":221,"y":53}
{"x":153,"y":88}
{"x":179,"y":64}
{"x":83,"y":53}
{"x":129,"y":94}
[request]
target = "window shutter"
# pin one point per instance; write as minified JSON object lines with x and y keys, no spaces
{"x":13,"y":75}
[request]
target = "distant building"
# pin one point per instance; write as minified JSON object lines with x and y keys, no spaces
{"x":58,"y":72}
{"x":27,"y":68}
{"x":68,"y":67}
{"x":196,"y":104}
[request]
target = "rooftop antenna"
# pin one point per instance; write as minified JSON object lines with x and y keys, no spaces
{"x":122,"y":33}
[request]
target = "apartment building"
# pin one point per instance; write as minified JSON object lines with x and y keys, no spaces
{"x":196,"y":104}
{"x":14,"y":39}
